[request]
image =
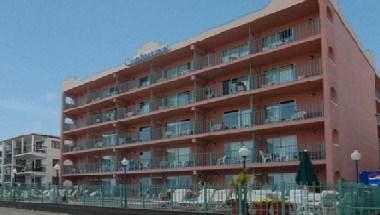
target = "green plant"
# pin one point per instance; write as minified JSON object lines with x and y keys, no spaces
{"x":240,"y":180}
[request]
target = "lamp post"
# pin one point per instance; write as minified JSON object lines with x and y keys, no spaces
{"x":14,"y":172}
{"x":356,"y":156}
{"x":57,"y":167}
{"x":243,"y":153}
{"x":125,"y":164}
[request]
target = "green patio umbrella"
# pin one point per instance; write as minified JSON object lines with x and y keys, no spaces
{"x":306,"y":174}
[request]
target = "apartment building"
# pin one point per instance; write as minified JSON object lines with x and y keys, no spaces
{"x":288,"y":78}
{"x":29,"y":159}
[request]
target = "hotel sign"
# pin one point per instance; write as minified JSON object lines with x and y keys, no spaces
{"x":150,"y":54}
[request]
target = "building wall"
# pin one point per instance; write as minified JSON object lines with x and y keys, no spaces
{"x":349,"y":99}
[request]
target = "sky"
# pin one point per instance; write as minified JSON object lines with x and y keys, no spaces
{"x":44,"y":42}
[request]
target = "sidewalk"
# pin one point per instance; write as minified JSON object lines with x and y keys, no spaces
{"x":13,"y":211}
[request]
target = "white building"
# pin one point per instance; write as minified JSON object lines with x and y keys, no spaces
{"x":29,"y":159}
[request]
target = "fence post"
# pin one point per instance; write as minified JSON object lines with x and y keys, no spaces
{"x":102,"y":193}
{"x":240,"y":200}
{"x":340,"y":191}
{"x":171,"y":196}
{"x":143,"y":195}
{"x":282,"y":193}
{"x":205,"y":197}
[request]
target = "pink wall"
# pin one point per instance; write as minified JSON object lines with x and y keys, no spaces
{"x":353,"y":112}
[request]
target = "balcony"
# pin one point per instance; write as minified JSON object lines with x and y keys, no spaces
{"x":247,"y":121}
{"x":93,"y":119}
{"x":29,"y":169}
{"x":7,"y":161}
{"x":258,"y":44}
{"x":273,"y":77}
{"x":90,"y":168}
{"x":269,"y":156}
{"x":92,"y":143}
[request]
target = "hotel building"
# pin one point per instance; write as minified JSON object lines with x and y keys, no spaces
{"x":288,"y":78}
{"x":29,"y":159}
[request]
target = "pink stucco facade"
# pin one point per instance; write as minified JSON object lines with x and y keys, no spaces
{"x":288,"y":78}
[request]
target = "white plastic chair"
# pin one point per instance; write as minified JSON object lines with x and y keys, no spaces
{"x":265,"y":157}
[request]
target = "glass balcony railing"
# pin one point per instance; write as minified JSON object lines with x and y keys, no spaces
{"x":267,"y":42}
{"x":267,"y":154}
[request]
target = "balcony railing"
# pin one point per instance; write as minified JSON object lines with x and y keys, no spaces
{"x":200,"y":159}
{"x":29,"y":168}
{"x":90,"y":168}
{"x":273,"y":77}
{"x":262,"y":117}
{"x":267,"y":42}
{"x":288,"y":35}
{"x":90,"y":144}
{"x":276,"y":115}
{"x":7,"y":161}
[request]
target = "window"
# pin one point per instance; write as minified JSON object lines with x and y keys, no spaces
{"x":237,"y":119}
{"x":179,"y":180}
{"x":144,"y":81}
{"x":236,"y":85}
{"x":145,"y":159}
{"x":284,"y":148}
{"x":145,"y":134}
{"x":110,"y":92}
{"x":178,"y":99}
{"x":55,"y":161}
{"x":179,"y":157}
{"x":107,"y":163}
{"x":276,"y":178}
{"x":231,"y":150}
{"x":109,"y":115}
{"x":280,"y":112}
{"x":235,"y":53}
{"x":54,"y":144}
{"x":179,"y":70}
{"x":109,"y":139}
{"x":179,"y":128}
{"x":144,"y":107}
{"x":275,"y":39}
{"x":281,"y":75}
{"x":184,"y":98}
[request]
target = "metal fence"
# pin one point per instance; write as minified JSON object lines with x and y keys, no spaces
{"x":283,"y":198}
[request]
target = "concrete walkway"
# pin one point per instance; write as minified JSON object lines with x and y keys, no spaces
{"x":13,"y":211}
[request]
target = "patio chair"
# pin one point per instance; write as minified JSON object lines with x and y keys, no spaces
{"x":265,"y":157}
{"x":219,"y":199}
{"x":329,"y":201}
{"x":222,"y":160}
{"x":200,"y":200}
{"x":299,"y":199}
{"x":179,"y":195}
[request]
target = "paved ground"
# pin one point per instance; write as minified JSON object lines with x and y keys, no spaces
{"x":12,"y":211}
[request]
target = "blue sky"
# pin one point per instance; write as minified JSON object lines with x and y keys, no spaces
{"x":43,"y":42}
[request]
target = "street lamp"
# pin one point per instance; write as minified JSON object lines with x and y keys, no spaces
{"x":125,"y":164}
{"x":243,"y":153}
{"x":356,"y":156}
{"x":57,"y":167}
